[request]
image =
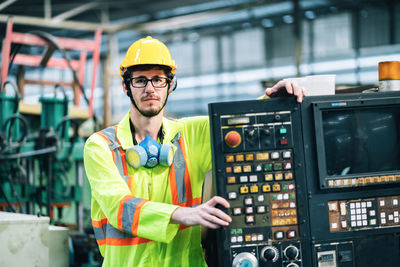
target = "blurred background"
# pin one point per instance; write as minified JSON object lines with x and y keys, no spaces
{"x":60,"y":80}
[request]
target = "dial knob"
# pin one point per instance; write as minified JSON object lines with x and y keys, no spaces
{"x":270,"y":253}
{"x":233,"y":139}
{"x":291,"y":252}
{"x":245,"y":259}
{"x":292,"y":265}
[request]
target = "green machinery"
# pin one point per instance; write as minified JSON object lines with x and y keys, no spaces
{"x":41,"y":160}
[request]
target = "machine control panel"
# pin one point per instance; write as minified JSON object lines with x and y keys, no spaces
{"x":364,"y":214}
{"x":255,"y":171}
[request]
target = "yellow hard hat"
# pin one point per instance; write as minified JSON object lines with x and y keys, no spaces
{"x":147,"y":51}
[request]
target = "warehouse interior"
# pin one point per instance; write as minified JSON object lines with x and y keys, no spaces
{"x":60,"y":83}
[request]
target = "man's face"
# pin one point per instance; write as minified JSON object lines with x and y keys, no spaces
{"x":149,"y":100}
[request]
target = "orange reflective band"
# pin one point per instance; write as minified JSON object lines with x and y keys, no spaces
{"x":100,"y":223}
{"x":188,"y":187}
{"x":172,"y":181}
{"x":124,"y":241}
{"x":121,"y":209}
{"x":135,"y":222}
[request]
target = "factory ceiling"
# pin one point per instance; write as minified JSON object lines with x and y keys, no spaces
{"x":80,"y":18}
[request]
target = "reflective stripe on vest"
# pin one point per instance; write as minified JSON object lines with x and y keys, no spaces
{"x":110,"y":134}
{"x":106,"y":234}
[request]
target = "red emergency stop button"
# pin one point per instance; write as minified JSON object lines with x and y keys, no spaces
{"x":233,"y":139}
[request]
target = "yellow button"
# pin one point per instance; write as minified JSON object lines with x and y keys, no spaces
{"x":237,"y":169}
{"x":361,"y":180}
{"x":294,"y":221}
{"x":247,"y":168}
{"x":391,"y":178}
{"x":240,"y":157}
{"x":288,"y":176}
{"x":276,"y":187}
{"x":268,"y":177}
{"x":266,"y":188}
{"x":275,"y":222}
{"x":249,"y":157}
{"x":244,"y":189}
{"x":293,"y":212}
{"x":247,"y":238}
{"x":229,"y":158}
{"x":228,"y":169}
{"x":231,"y":180}
{"x":274,"y":213}
{"x":278,"y":176}
{"x":254,"y":189}
{"x":274,"y":206}
{"x":262,"y":156}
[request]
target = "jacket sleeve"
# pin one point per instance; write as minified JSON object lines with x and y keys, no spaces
{"x":123,"y":210}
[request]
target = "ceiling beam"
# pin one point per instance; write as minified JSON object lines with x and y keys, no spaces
{"x":41,"y":22}
{"x":75,"y":11}
{"x":6,"y":4}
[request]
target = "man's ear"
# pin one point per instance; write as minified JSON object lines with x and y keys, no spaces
{"x":124,"y":87}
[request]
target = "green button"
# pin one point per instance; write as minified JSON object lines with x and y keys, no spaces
{"x":233,"y":232}
{"x":292,"y":195}
{"x":278,"y":166}
{"x":239,"y":231}
{"x":282,"y":130}
{"x":273,"y":197}
{"x":268,"y":167}
{"x":285,"y":187}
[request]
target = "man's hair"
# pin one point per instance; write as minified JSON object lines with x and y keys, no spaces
{"x":144,"y":67}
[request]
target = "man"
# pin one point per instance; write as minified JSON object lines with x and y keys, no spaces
{"x":151,"y":215}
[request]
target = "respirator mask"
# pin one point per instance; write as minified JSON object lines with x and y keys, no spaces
{"x":149,"y":153}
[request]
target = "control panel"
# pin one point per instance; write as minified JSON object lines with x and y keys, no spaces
{"x":255,"y":171}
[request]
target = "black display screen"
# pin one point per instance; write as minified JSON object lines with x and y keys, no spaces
{"x":361,"y":140}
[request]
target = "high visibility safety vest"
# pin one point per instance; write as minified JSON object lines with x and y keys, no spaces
{"x":132,"y":208}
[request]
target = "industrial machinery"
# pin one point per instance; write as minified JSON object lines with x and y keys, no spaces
{"x":310,"y":184}
{"x":41,"y":150}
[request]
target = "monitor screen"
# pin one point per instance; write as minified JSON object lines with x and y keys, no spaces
{"x":357,"y":142}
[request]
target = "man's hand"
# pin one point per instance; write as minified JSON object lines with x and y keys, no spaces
{"x":291,"y":88}
{"x":205,"y":214}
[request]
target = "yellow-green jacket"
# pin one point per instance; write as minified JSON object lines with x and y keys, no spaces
{"x":131,"y":208}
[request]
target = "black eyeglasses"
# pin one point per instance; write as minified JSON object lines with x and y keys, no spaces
{"x":157,"y":82}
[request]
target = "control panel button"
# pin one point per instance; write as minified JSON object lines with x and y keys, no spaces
{"x":275,"y":155}
{"x":262,"y":156}
{"x":249,"y":210}
{"x":278,"y":235}
{"x":283,"y":142}
{"x":283,"y":130}
{"x":233,"y":139}
{"x":269,"y":177}
{"x":231,"y":179}
{"x":250,"y":219}
{"x":260,"y":198}
{"x":239,"y":157}
{"x":248,"y":201}
{"x":243,"y":179}
{"x":249,"y":157}
{"x":232,"y":195}
{"x":276,"y":187}
{"x":266,"y":188}
{"x":268,"y":167}
{"x":288,"y":176}
{"x":287,"y":154}
{"x":254,"y":189}
{"x":278,"y":176}
{"x":237,"y":211}
{"x":244,"y":189}
{"x":228,"y":169}
{"x":229,"y":158}
{"x":253,"y":178}
{"x":261,"y":209}
{"x":291,"y":234}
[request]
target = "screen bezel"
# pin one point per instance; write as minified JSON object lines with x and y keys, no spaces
{"x":340,"y":105}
